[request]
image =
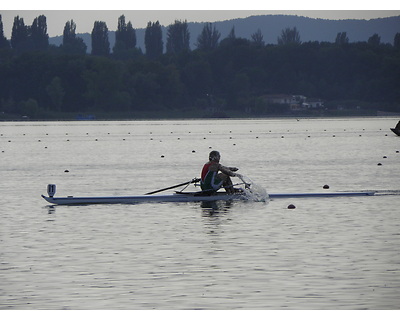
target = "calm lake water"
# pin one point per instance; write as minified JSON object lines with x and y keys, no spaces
{"x":332,"y":253}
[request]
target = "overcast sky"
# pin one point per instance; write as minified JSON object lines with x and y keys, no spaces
{"x":167,"y":11}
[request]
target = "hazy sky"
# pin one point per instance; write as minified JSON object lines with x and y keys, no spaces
{"x":167,"y":12}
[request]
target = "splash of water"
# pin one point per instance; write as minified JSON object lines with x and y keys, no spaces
{"x":254,"y":191}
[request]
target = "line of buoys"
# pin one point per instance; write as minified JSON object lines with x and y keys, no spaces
{"x":291,"y":206}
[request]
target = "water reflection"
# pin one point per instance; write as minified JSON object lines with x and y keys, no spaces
{"x":51,"y":209}
{"x":212,"y":208}
{"x":214,"y":215}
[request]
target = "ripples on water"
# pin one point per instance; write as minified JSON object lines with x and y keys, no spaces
{"x":336,"y":253}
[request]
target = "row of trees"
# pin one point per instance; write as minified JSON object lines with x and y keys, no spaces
{"x":232,"y":74}
{"x":34,"y":37}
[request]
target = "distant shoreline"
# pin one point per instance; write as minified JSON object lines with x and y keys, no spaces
{"x":298,"y":117}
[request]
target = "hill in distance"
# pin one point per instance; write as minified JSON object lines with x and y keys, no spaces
{"x":271,"y":26}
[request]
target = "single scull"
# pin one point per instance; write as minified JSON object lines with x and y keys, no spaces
{"x":186,"y":197}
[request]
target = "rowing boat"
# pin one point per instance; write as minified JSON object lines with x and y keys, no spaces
{"x":175,"y":197}
{"x":189,"y":197}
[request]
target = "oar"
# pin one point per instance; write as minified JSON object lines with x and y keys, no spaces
{"x":194,"y":180}
{"x":246,"y":184}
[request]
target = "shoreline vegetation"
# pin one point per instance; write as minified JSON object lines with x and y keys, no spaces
{"x":195,"y":115}
{"x":222,"y":78}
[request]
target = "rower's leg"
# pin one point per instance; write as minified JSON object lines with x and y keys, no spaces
{"x":227,"y":183}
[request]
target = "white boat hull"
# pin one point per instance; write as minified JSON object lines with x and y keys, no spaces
{"x":189,"y":197}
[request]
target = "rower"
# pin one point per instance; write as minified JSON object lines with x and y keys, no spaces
{"x":214,"y":175}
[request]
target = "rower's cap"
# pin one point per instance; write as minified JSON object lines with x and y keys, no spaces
{"x":214,"y":156}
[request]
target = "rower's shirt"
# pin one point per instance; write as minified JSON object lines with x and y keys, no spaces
{"x":212,"y":166}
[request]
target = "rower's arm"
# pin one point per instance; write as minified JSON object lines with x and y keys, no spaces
{"x":227,"y":170}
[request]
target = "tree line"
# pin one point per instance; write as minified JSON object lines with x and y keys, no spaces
{"x":220,"y":75}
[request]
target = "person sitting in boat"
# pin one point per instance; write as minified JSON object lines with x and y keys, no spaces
{"x":214,"y":175}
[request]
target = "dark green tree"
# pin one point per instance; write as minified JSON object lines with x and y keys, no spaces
{"x":230,"y":39}
{"x":342,"y":38}
{"x":38,"y":33}
{"x":396,"y":42}
{"x":208,"y":38}
{"x":56,"y":93}
{"x":289,"y":36}
{"x":125,"y":36}
{"x":71,"y":43}
{"x":153,"y":40}
{"x":374,"y":40}
{"x":178,"y":37}
{"x":258,"y":38}
{"x":69,"y":32}
{"x":100,"y":43}
{"x":232,"y":34}
{"x":3,"y":40}
{"x":125,"y":40}
{"x":19,"y":35}
{"x":103,"y":82}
